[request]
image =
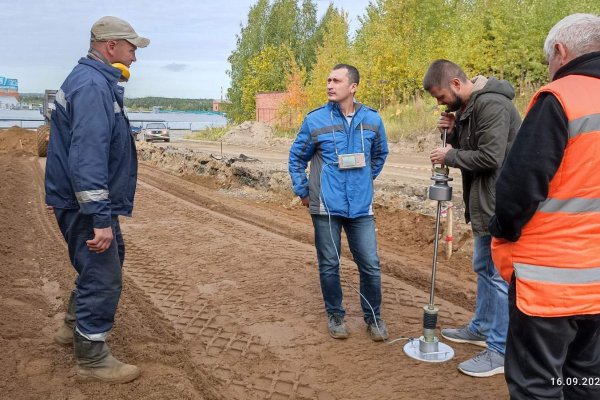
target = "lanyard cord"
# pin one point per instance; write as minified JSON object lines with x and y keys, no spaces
{"x":362,"y":135}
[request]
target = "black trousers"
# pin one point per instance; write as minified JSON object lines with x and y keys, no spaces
{"x":552,"y":358}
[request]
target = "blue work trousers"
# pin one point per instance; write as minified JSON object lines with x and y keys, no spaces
{"x":491,"y":310}
{"x":363,"y":246}
{"x":99,"y":283}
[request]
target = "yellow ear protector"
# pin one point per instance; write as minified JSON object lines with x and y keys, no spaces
{"x":125,"y":74}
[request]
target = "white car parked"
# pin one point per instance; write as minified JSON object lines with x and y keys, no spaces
{"x":155,"y":131}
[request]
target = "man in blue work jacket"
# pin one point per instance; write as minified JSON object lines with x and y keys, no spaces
{"x":346,"y":145}
{"x":91,"y":174}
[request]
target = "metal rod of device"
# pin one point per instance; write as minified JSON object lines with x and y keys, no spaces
{"x":438,"y":216}
{"x":428,"y":348}
{"x":435,"y":251}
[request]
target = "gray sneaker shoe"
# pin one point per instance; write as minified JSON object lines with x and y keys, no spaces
{"x":463,"y":335}
{"x":484,"y":364}
{"x":378,"y":332}
{"x":336,"y":326}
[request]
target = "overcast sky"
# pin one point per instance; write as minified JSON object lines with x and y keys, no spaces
{"x":41,"y":41}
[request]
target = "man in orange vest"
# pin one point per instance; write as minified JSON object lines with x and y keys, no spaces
{"x":547,"y":225}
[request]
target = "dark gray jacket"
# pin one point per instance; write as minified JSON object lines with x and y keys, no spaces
{"x":486,"y":130}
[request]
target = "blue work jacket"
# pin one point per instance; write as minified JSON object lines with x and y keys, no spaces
{"x":92,"y":162}
{"x":325,"y":134}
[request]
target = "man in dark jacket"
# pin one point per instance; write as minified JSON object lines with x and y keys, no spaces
{"x":547,"y":225}
{"x":91,"y":174}
{"x":480,"y":135}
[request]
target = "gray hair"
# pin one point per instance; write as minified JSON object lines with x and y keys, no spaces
{"x":580,"y":33}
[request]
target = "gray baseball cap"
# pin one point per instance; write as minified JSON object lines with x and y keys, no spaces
{"x":113,"y":28}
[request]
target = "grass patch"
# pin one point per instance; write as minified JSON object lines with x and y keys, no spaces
{"x":408,"y":120}
{"x":210,"y":133}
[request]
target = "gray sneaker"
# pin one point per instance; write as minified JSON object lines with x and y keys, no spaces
{"x":378,"y":332}
{"x":463,"y":335}
{"x":336,"y":326}
{"x":484,"y":364}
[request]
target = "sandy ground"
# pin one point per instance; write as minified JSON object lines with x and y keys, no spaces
{"x":221,"y":297}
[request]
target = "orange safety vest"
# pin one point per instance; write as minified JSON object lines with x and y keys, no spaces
{"x":556,"y":260}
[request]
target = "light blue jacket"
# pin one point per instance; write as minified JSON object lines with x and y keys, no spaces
{"x":345,"y":193}
{"x":92,"y":162}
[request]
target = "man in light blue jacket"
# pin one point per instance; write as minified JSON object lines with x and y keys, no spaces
{"x":346,"y":145}
{"x":91,"y":174}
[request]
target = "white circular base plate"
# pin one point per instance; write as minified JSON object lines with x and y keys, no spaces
{"x":444,"y":352}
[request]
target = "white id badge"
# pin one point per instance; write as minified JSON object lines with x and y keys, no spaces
{"x":350,"y":161}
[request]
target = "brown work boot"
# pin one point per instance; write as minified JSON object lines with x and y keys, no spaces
{"x":95,"y":363}
{"x":64,"y":335}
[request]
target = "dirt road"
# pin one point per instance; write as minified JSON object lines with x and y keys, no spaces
{"x":400,"y":166}
{"x":221,"y":299}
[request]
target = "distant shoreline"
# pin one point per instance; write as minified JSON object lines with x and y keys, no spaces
{"x":31,"y":119}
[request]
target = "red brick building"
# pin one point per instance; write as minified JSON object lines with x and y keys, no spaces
{"x":267,"y":107}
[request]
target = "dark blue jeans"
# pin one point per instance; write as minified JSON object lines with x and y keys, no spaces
{"x":363,"y":245}
{"x":98,"y":285}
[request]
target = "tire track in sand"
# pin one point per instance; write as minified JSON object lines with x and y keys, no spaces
{"x":247,"y":301}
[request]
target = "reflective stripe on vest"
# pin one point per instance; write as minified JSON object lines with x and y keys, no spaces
{"x":575,"y":205}
{"x":587,"y":124}
{"x":541,"y":273}
{"x":556,"y":261}
{"x":62,"y":100}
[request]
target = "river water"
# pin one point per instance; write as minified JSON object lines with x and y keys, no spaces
{"x":31,"y":119}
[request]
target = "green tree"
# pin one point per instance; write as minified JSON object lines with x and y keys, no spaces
{"x":399,"y":38}
{"x":267,"y":71}
{"x":249,"y":43}
{"x":280,"y":25}
{"x":335,"y":49}
{"x":307,"y":26}
{"x":395,"y":43}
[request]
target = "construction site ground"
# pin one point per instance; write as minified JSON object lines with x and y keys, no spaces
{"x":221,"y":294}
